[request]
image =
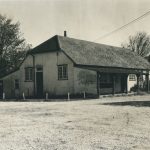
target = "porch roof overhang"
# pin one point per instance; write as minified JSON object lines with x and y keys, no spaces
{"x":117,"y":70}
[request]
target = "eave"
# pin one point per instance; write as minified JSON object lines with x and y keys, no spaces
{"x":102,"y":69}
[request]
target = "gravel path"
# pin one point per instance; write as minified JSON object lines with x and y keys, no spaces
{"x":76,"y":125}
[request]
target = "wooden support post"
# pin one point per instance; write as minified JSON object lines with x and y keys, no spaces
{"x":147,"y":82}
{"x":138,"y":87}
{"x":127,"y":84}
{"x":98,"y":84}
{"x":113,"y":84}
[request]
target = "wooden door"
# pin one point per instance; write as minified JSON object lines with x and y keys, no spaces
{"x":39,"y":84}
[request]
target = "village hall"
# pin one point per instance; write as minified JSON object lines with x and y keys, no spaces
{"x":64,"y":65}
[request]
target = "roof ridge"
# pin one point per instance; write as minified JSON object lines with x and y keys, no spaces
{"x":101,"y":44}
{"x":93,"y":42}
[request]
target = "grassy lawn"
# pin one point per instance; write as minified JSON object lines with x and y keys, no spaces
{"x":104,"y":124}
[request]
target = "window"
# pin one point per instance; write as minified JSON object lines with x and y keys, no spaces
{"x":132,"y":77}
{"x":17,"y":84}
{"x":29,"y":74}
{"x":62,"y":72}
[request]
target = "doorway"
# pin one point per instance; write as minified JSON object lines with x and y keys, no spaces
{"x":39,"y":84}
{"x":1,"y":88}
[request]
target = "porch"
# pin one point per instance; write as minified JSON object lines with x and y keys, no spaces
{"x":114,"y":80}
{"x":109,"y":83}
{"x":116,"y":83}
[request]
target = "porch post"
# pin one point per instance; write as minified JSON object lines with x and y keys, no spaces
{"x":138,"y":77}
{"x":127,"y":84}
{"x":147,"y":82}
{"x":98,"y":84}
{"x":113,"y":84}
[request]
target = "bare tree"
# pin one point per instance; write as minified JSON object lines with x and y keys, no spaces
{"x":139,"y":43}
{"x":12,"y":44}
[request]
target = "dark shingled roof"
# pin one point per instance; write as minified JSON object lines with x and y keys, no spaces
{"x":93,"y":54}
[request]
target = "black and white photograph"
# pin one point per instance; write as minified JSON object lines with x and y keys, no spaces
{"x":74,"y":75}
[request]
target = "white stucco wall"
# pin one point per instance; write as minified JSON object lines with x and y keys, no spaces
{"x":51,"y":84}
{"x":9,"y":84}
{"x":131,"y":83}
{"x":85,"y":80}
{"x":24,"y":87}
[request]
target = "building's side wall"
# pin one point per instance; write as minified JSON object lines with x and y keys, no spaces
{"x":9,"y":84}
{"x":24,"y":87}
{"x":85,"y":80}
{"x":51,"y":84}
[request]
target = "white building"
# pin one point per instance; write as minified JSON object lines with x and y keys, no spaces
{"x":61,"y":65}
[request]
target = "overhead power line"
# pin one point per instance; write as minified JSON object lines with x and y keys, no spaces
{"x":124,"y":26}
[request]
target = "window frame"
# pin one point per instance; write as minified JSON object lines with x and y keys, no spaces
{"x":132,"y":77}
{"x":30,"y":77}
{"x":63,"y":75}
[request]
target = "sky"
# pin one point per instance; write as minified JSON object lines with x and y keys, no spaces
{"x":82,"y":19}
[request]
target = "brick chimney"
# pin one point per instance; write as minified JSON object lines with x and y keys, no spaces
{"x":65,"y":33}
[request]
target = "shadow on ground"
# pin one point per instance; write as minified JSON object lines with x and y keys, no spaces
{"x":130,"y":103}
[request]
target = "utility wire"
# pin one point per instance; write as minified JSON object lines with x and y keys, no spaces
{"x":124,"y":26}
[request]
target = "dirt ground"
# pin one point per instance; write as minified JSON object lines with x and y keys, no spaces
{"x":118,"y":123}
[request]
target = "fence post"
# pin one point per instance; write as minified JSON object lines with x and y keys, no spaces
{"x":46,"y":96}
{"x":3,"y":96}
{"x":84,"y":94}
{"x":23,"y":96}
{"x":68,"y":96}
